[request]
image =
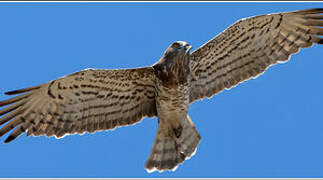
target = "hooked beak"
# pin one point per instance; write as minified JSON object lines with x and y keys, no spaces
{"x":188,"y":47}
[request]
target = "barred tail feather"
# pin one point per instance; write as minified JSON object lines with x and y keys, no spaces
{"x":171,"y":147}
{"x":189,"y":138}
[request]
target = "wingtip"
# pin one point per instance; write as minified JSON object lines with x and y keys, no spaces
{"x":9,"y":93}
{"x":309,"y":11}
{"x":313,"y":10}
{"x":18,"y":91}
{"x":9,"y":139}
{"x":13,"y":92}
{"x":316,"y":9}
{"x":320,"y":41}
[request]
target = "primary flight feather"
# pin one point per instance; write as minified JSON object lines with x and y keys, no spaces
{"x":99,"y":99}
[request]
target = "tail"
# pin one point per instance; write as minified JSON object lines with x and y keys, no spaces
{"x":172,"y":146}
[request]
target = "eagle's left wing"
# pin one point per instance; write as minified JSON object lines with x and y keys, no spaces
{"x":247,"y":48}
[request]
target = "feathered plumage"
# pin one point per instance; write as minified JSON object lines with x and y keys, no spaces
{"x":97,"y":99}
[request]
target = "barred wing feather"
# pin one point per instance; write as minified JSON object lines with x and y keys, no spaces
{"x":85,"y":101}
{"x":248,"y":47}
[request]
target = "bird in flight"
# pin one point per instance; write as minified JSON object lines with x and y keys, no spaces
{"x":101,"y":99}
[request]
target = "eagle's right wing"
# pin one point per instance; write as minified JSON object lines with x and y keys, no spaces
{"x":85,"y":101}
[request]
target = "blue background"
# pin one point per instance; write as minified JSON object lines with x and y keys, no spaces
{"x":268,"y":127}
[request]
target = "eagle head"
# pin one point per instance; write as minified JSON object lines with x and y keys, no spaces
{"x":174,"y":64}
{"x":177,"y":49}
{"x":176,"y":53}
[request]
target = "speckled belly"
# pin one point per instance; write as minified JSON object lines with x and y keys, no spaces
{"x":172,"y":103}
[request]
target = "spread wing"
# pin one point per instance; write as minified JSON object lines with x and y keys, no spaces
{"x":85,"y":101}
{"x":248,"y":47}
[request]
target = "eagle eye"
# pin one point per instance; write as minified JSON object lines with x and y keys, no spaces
{"x":176,"y":45}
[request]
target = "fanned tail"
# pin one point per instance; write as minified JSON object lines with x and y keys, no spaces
{"x":172,"y":146}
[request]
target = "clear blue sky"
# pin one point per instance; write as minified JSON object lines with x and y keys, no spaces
{"x":268,"y":127}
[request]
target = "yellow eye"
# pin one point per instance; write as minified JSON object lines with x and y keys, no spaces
{"x":176,"y":45}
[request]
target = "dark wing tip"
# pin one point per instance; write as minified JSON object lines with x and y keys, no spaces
{"x":10,"y":93}
{"x":320,"y":41}
{"x":18,"y":91}
{"x":313,"y":10}
{"x":317,"y":9}
{"x":9,"y":139}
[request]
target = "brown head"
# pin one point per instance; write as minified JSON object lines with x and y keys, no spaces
{"x":175,"y":52}
{"x":174,"y":64}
